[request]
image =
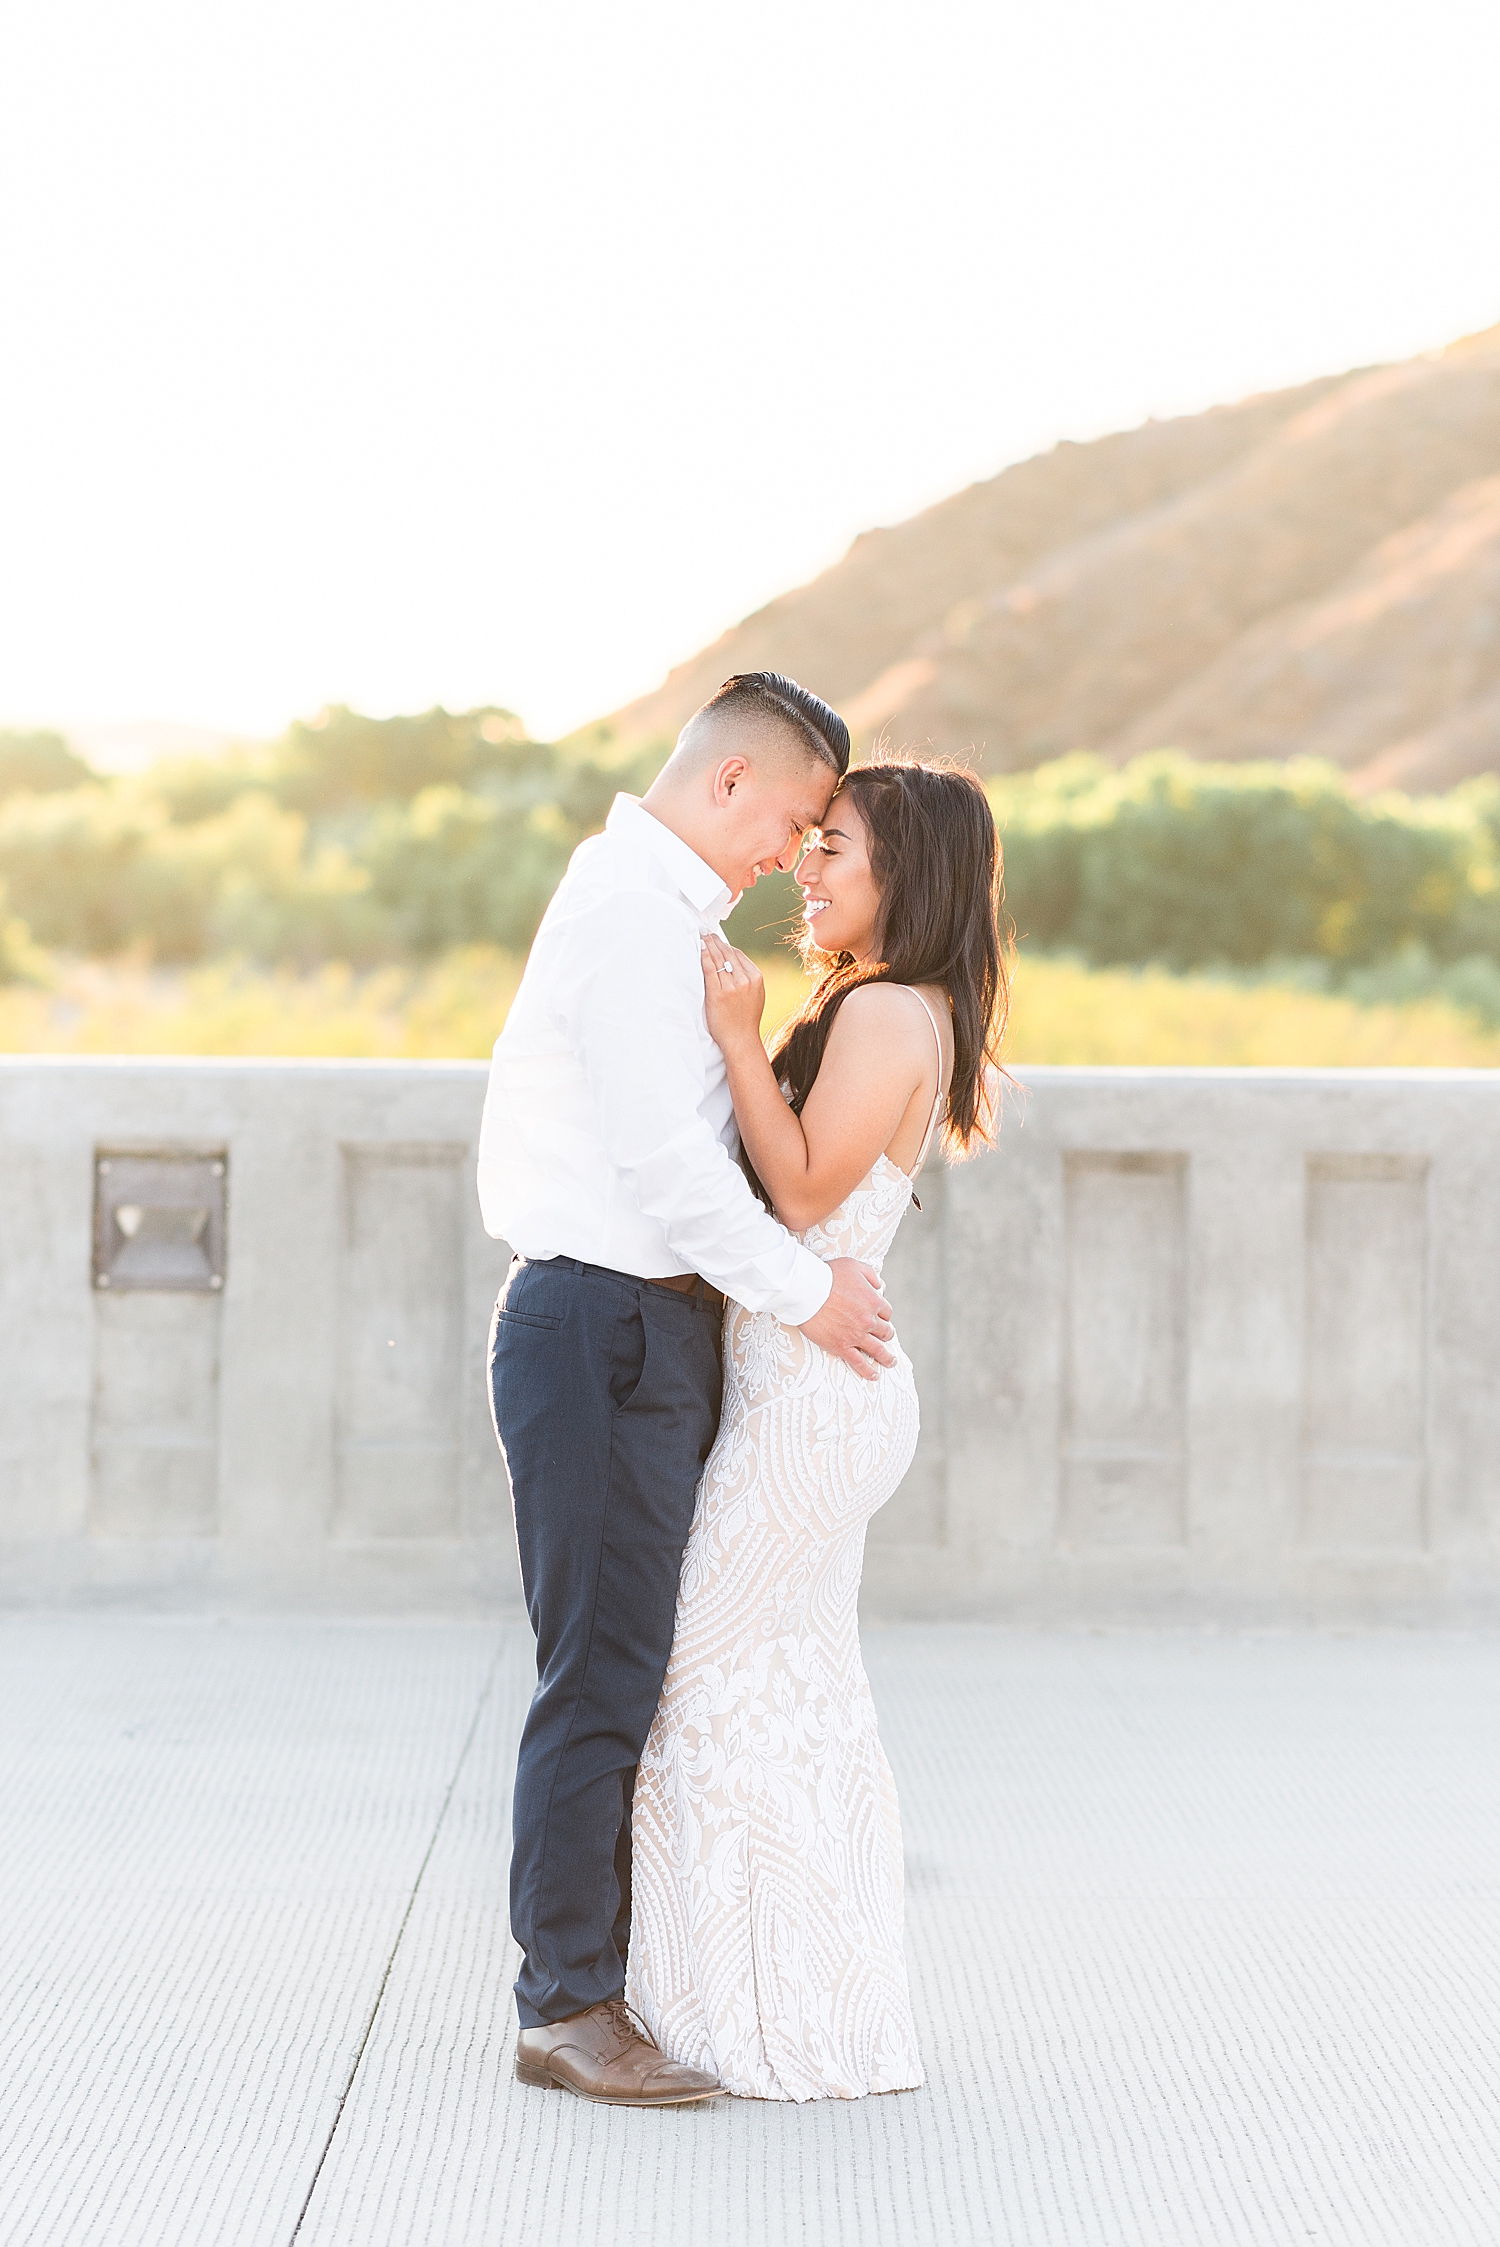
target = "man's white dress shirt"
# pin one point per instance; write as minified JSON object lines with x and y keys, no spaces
{"x":608,"y":1129}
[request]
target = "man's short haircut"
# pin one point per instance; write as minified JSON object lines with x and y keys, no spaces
{"x":767,"y":694}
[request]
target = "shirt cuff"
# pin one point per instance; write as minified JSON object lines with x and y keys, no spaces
{"x":810,"y":1286}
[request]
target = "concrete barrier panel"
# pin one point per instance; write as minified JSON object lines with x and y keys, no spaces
{"x":313,"y":1432}
{"x":1199,"y":1344}
{"x":1218,"y":1344}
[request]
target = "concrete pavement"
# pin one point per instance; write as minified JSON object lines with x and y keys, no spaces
{"x":1204,"y":1932}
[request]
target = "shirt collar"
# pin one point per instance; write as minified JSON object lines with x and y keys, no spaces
{"x":700,"y":885}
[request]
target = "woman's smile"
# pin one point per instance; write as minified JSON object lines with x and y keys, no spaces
{"x":836,"y":878}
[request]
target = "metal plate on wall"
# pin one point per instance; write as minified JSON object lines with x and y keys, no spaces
{"x":159,"y":1221}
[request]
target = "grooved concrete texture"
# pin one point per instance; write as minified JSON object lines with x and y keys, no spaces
{"x":1193,"y":1344}
{"x":1204,"y":1930}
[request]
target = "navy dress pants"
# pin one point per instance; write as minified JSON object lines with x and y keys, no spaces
{"x":606,"y":1397}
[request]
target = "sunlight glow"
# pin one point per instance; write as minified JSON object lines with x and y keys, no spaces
{"x":477,"y":354}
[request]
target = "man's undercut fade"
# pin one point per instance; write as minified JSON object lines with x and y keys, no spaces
{"x":768,"y":695}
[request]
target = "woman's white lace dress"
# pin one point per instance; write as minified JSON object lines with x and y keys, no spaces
{"x":766,"y":1910}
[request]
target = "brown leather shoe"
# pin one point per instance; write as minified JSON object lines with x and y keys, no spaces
{"x":605,"y":2054}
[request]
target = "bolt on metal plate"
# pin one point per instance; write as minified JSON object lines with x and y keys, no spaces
{"x":159,"y":1221}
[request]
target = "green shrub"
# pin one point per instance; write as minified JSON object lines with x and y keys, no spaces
{"x":39,"y":763}
{"x":766,"y":915}
{"x":341,"y":764}
{"x":373,"y":839}
{"x":477,"y":865}
{"x":342,"y":761}
{"x":92,"y":870}
{"x":1412,"y":975}
{"x":1189,"y":865}
{"x":459,"y":868}
{"x":274,"y":897}
{"x":356,"y":839}
{"x":21,"y":960}
{"x":99,"y":869}
{"x":190,"y":789}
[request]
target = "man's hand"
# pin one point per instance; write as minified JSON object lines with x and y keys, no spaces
{"x":855,"y":1323}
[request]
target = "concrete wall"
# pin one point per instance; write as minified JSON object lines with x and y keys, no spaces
{"x":1217,"y":1343}
{"x":313,"y":1432}
{"x":1210,"y":1343}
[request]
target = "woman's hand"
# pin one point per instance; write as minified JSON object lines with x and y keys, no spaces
{"x":734,"y":994}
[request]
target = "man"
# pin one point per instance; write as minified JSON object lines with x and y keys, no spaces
{"x":606,"y":1159}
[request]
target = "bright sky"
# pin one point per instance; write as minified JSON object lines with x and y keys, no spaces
{"x":465,"y":353}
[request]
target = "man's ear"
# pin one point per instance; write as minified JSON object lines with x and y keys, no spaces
{"x":728,"y":778}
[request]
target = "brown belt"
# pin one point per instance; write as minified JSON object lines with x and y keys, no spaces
{"x":690,"y":1284}
{"x":684,"y":1282}
{"x":681,"y":1283}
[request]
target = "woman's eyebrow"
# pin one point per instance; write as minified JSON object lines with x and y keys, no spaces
{"x":838,"y":831}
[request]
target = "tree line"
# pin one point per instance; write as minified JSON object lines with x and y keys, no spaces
{"x":1248,"y":869}
{"x":349,"y":838}
{"x":373,"y":839}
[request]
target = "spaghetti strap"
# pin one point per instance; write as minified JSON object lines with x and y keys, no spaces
{"x":932,"y":1121}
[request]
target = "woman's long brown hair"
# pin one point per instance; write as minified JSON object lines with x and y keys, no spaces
{"x":935,"y":857}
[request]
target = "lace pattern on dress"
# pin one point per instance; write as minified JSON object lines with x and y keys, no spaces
{"x":766,"y":1939}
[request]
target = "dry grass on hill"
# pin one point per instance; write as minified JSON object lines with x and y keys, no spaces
{"x":1314,"y":572}
{"x":454,"y":1008}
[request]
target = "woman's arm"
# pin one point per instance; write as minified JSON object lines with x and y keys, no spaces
{"x":879,"y":1057}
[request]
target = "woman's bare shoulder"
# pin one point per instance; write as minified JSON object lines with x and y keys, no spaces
{"x":895,"y":1009}
{"x":879,"y":1011}
{"x":890,"y":999}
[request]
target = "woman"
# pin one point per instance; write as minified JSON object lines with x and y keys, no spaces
{"x":766,"y":1909}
